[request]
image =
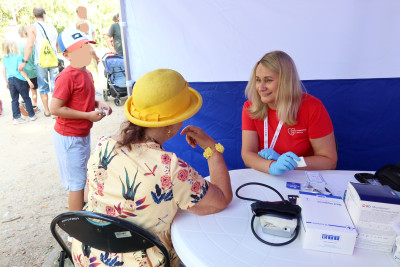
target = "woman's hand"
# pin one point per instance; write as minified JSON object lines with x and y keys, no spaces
{"x":196,"y":136}
{"x":31,"y":85}
{"x":268,"y":153}
{"x":285,"y":163}
{"x":219,"y":193}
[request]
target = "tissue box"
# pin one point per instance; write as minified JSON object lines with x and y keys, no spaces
{"x":326,"y":224}
{"x":374,"y":209}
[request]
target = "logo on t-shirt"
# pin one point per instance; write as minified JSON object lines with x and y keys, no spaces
{"x":77,"y":35}
{"x":293,"y":131}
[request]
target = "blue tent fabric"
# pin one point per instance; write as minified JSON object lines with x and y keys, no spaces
{"x":366,"y":118}
{"x":365,"y":115}
{"x":220,"y":117}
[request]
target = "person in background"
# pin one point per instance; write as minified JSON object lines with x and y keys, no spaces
{"x":114,"y":41}
{"x":131,"y":176}
{"x":81,"y":13}
{"x":281,"y":123}
{"x":30,"y":68}
{"x":10,"y":33}
{"x":36,"y":37}
{"x":74,"y":105}
{"x":17,"y":81}
{"x":83,"y":26}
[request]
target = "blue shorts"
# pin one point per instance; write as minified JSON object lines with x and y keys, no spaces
{"x":72,"y":156}
{"x":46,"y":86}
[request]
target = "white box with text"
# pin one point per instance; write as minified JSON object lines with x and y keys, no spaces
{"x":326,"y":224}
{"x":374,"y":209}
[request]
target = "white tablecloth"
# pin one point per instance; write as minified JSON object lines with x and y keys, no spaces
{"x":225,"y":238}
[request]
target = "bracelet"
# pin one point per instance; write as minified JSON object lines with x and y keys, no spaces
{"x":208,"y":152}
{"x":269,"y":166}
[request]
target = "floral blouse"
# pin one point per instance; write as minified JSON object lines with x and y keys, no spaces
{"x":146,"y":186}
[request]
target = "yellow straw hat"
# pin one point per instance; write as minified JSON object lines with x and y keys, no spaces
{"x":160,"y":98}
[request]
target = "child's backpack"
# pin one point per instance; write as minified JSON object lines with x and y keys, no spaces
{"x":47,"y":57}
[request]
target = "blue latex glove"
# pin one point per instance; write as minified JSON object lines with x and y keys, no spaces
{"x":284,"y":163}
{"x":268,"y":153}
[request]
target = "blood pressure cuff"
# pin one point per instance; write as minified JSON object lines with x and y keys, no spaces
{"x":389,"y":175}
{"x":282,"y":208}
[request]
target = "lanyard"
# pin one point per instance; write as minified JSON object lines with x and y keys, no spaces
{"x":278,"y":130}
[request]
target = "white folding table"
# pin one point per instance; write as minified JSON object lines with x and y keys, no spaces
{"x":225,"y":238}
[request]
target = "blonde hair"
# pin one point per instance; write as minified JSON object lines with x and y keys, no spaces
{"x":80,"y":22}
{"x":23,"y":31}
{"x":9,"y":47}
{"x":289,"y":93}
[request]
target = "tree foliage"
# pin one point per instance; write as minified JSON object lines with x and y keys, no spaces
{"x":60,"y":13}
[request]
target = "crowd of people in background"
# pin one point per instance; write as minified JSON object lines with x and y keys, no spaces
{"x":21,"y":48}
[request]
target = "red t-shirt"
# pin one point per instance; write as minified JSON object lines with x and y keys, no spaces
{"x":76,"y":88}
{"x":313,"y":122}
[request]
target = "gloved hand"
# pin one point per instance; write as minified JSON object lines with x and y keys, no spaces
{"x":284,"y":163}
{"x":268,"y":153}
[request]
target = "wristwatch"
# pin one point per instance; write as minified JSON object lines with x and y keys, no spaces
{"x":25,"y":61}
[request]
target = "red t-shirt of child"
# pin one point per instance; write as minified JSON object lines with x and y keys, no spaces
{"x":76,"y":88}
{"x":313,"y":122}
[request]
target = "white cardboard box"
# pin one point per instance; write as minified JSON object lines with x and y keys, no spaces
{"x":374,"y":209}
{"x":326,"y":224}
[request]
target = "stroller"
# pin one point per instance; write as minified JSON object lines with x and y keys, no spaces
{"x":114,"y":71}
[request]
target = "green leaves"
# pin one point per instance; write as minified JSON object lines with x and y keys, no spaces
{"x":60,"y":14}
{"x":106,"y":158}
{"x":130,"y":191}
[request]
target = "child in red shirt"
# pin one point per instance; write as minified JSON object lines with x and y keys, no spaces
{"x":76,"y":109}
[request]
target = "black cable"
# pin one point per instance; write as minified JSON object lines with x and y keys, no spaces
{"x":296,"y":233}
{"x":254,"y":183}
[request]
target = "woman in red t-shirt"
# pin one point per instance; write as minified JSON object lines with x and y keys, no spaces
{"x":281,"y":123}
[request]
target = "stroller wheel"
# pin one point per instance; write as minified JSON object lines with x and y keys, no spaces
{"x":117,"y":101}
{"x":105,"y":95}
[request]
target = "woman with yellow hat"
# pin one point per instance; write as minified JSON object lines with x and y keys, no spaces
{"x":131,"y":176}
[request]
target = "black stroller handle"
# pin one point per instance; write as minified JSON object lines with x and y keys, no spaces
{"x":106,"y":54}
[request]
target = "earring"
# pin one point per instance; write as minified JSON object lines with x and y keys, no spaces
{"x":169,"y":133}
